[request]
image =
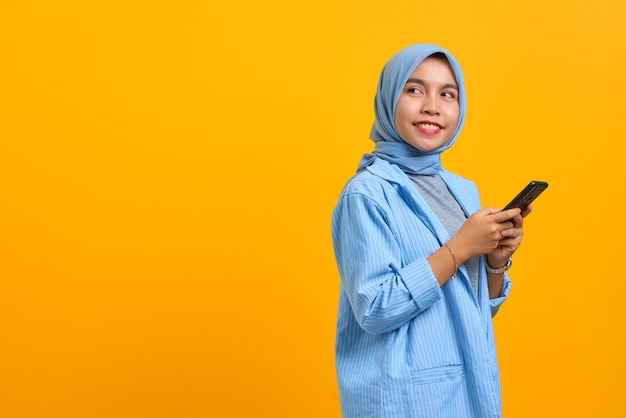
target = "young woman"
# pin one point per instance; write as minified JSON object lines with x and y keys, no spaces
{"x":422,"y":266}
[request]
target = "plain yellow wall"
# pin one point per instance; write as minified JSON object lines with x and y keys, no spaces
{"x":168,"y":169}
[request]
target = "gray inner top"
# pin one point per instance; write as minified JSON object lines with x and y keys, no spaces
{"x":449,"y":212}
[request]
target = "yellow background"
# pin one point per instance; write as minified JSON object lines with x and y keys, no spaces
{"x":168,"y":169}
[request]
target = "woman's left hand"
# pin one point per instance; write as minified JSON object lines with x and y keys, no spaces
{"x":510,"y":242}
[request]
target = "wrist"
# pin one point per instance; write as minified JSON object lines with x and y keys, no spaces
{"x":459,"y":250}
{"x":495,"y":260}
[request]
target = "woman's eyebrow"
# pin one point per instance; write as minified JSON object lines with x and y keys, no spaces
{"x":422,"y":82}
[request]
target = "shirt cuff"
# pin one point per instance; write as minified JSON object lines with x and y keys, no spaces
{"x":504,"y":293}
{"x":419,"y":279}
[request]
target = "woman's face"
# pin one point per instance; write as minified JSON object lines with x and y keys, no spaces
{"x":427,"y":112}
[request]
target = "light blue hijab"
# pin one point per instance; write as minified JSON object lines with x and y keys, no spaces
{"x":389,"y":145}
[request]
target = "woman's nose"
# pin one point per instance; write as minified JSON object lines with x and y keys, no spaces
{"x":429,"y":106}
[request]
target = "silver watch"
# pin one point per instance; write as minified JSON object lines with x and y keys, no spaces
{"x":501,"y":269}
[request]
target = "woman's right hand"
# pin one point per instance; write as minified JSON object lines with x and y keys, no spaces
{"x":481,"y":232}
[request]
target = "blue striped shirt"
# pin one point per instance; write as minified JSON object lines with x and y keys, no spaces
{"x":406,"y":347}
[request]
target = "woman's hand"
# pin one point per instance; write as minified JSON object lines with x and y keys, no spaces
{"x":489,"y":231}
{"x":510,"y":242}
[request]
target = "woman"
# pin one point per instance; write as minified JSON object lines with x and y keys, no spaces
{"x":422,"y":266}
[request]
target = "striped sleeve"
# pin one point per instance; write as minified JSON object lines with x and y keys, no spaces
{"x":383,"y":294}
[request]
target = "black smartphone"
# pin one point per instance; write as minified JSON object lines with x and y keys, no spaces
{"x":527,"y":195}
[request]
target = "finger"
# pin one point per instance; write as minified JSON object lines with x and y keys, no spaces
{"x":527,"y":210}
{"x":510,"y":242}
{"x":507,"y":215}
{"x":512,"y":233}
{"x":507,"y":225}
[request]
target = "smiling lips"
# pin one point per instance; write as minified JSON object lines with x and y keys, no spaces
{"x":429,"y":128}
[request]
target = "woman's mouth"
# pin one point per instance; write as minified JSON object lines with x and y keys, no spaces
{"x":428,"y":128}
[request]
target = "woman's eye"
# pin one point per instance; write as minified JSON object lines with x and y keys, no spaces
{"x":414,"y":90}
{"x":448,"y":95}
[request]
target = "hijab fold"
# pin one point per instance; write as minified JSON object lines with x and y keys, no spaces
{"x":389,"y":144}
